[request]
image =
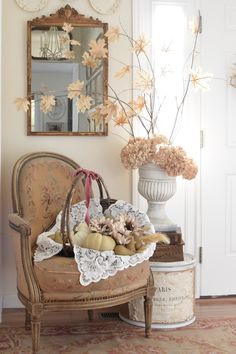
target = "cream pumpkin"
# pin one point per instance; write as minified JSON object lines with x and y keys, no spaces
{"x":81,"y":232}
{"x":98,"y":242}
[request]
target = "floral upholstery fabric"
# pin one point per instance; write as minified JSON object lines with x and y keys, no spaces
{"x":59,"y":277}
{"x":43,"y":186}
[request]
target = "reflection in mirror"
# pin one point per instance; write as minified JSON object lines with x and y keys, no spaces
{"x":47,"y":43}
{"x":56,"y":61}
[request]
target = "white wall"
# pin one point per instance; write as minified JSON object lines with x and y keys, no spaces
{"x":98,"y":153}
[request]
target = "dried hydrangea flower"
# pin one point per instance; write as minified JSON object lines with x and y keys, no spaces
{"x":160,"y":139}
{"x":136,"y":152}
{"x":171,"y":159}
{"x":190,"y":170}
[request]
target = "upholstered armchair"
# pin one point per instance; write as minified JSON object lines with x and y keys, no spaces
{"x":40,"y":183}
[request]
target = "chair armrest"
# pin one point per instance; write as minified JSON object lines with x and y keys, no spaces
{"x":19,"y":224}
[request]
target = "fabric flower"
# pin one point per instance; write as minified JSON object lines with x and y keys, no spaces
{"x":69,"y":54}
{"x":67,"y":27}
{"x":109,"y":110}
{"x":103,"y":225}
{"x":83,"y":103}
{"x":194,"y":26}
{"x":144,"y":81}
{"x":47,"y":103}
{"x":140,"y":44}
{"x":89,"y":60}
{"x":97,"y":116}
{"x":75,"y":88}
{"x":200,"y":80}
{"x":123,"y":71}
{"x":97,"y":48}
{"x":121,"y":119}
{"x":74,"y":42}
{"x":22,"y":103}
{"x":64,"y":39}
{"x":137,"y":105}
{"x":113,"y":34}
{"x":120,"y":234}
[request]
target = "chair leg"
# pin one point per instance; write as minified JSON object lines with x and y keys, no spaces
{"x":90,"y":315}
{"x":148,"y":315}
{"x":35,"y":325}
{"x":27,"y":320}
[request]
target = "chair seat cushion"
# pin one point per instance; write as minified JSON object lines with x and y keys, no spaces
{"x":59,"y":278}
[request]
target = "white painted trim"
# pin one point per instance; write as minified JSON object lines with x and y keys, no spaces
{"x":141,"y":24}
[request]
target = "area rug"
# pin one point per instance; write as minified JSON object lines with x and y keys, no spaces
{"x":116,"y":337}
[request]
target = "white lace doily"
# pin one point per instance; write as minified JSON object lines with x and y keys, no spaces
{"x":47,"y":248}
{"x":95,"y":265}
{"x":78,"y":212}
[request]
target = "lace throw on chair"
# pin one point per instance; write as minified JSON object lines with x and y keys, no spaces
{"x":95,"y":265}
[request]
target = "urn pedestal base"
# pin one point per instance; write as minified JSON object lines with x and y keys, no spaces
{"x":157,"y":215}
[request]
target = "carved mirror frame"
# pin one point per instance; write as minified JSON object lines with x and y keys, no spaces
{"x":69,"y":15}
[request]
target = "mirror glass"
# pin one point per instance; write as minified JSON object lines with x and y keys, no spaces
{"x":55,"y":61}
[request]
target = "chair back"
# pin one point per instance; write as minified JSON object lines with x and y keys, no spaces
{"x":40,"y":184}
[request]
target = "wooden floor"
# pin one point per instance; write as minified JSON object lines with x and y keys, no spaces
{"x":224,"y":307}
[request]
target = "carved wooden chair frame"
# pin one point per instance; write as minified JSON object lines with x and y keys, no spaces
{"x":35,"y":304}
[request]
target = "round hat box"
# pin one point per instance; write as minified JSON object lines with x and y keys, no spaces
{"x":174,"y":300}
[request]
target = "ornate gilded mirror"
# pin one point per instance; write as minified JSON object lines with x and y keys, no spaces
{"x":60,"y":58}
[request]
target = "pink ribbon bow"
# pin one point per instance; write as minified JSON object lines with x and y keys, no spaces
{"x":90,"y":175}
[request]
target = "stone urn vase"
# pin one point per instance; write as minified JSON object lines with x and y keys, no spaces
{"x":157,"y":188}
